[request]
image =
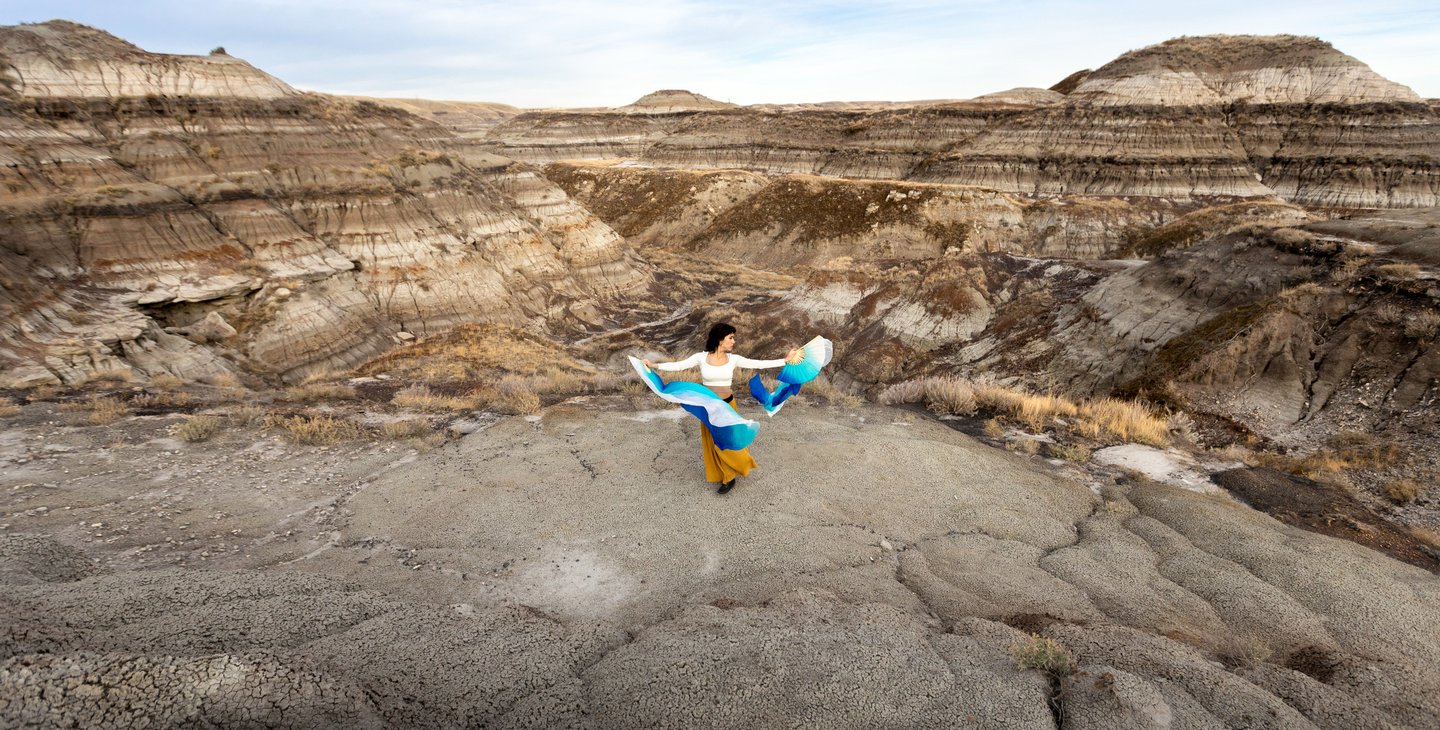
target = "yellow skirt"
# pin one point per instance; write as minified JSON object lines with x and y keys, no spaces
{"x":722,"y":465}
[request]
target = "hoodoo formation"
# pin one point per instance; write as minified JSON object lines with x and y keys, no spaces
{"x":314,"y":410}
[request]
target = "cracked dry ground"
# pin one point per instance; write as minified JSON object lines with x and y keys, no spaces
{"x":571,"y":570}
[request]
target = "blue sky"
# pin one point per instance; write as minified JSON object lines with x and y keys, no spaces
{"x":575,"y":53}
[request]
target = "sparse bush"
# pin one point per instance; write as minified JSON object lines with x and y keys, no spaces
{"x":116,"y":377}
{"x":407,"y":429}
{"x":823,"y":388}
{"x":42,"y":393}
{"x":311,"y":392}
{"x":8,"y":408}
{"x":1244,"y":653}
{"x":1042,"y":654}
{"x":1398,"y":272}
{"x":1388,"y":313}
{"x":166,"y":382}
{"x":105,"y":410}
{"x":1403,"y":491}
{"x":198,"y":428}
{"x":1125,"y":420}
{"x":315,"y":430}
{"x":421,"y":398}
{"x":1023,"y":445}
{"x":1423,"y":325}
{"x":1037,"y":411}
{"x":248,"y":415}
{"x":993,"y":429}
{"x":1069,"y":452}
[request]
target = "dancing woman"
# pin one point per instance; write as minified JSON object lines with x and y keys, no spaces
{"x":717,"y":368}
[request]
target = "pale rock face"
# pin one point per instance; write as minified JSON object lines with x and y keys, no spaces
{"x":66,"y":60}
{"x":211,"y":205}
{"x":673,"y":101}
{"x":1217,"y":70}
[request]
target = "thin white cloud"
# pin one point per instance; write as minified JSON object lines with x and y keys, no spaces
{"x":575,"y":53}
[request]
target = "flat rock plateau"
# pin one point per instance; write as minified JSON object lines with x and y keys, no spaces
{"x":315,"y":410}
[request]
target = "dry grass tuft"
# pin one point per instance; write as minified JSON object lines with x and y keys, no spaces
{"x":166,"y":382}
{"x":315,"y":430}
{"x":1074,"y":453}
{"x":112,"y":377}
{"x":1045,"y":655}
{"x":1038,"y":411}
{"x":311,"y":392}
{"x":1124,"y":420}
{"x":993,"y":429}
{"x":410,"y":428}
{"x":512,"y":395}
{"x":105,"y":410}
{"x":8,"y":408}
{"x":42,"y":393}
{"x":944,"y":395}
{"x":1388,"y":313}
{"x":1022,"y":445}
{"x":826,"y":390}
{"x":1244,"y":653}
{"x":1423,"y":325}
{"x":248,"y":415}
{"x":1398,"y":272}
{"x":1404,"y":491}
{"x":421,"y":398}
{"x":198,"y":428}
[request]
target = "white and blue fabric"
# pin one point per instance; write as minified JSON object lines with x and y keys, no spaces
{"x":727,"y":428}
{"x":817,"y":355}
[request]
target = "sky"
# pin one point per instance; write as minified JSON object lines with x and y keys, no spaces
{"x":570,"y":53}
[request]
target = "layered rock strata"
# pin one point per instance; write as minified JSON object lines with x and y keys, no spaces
{"x":1195,"y":117}
{"x":796,"y":221}
{"x":319,"y":228}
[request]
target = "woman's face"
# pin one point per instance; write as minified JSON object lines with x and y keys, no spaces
{"x":728,"y":343}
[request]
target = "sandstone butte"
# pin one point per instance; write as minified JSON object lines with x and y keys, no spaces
{"x":1238,"y":229}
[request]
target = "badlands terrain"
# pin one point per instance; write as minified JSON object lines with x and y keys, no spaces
{"x":314,"y":410}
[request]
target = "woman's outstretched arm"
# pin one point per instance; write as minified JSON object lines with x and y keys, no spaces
{"x":794,"y":356}
{"x":686,"y":364}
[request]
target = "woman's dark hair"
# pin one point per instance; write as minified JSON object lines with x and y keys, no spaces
{"x":717,"y":333}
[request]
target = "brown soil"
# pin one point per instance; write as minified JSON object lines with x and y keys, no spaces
{"x":1327,"y":510}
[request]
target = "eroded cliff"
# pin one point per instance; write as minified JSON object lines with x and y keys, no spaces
{"x":319,"y":228}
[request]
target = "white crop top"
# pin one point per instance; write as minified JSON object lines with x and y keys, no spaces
{"x":718,"y":376}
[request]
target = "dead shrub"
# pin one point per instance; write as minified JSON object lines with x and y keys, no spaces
{"x":1388,"y":313}
{"x":1044,"y":655}
{"x":166,"y":382}
{"x":421,"y":398}
{"x":1074,"y":453}
{"x":826,"y":390}
{"x":1423,"y":325}
{"x":1403,"y":491}
{"x":8,"y":408}
{"x":1398,"y":272}
{"x":993,"y":429}
{"x":311,"y":392}
{"x":248,"y":415}
{"x":1244,"y":653}
{"x":104,"y":410}
{"x":998,"y":398}
{"x":198,"y":428}
{"x":410,"y":428}
{"x":1022,"y":445}
{"x":42,"y":393}
{"x":316,"y":430}
{"x":1038,"y":411}
{"x":1124,"y":420}
{"x":111,"y":377}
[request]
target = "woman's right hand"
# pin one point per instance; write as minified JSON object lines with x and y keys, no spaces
{"x":648,"y":365}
